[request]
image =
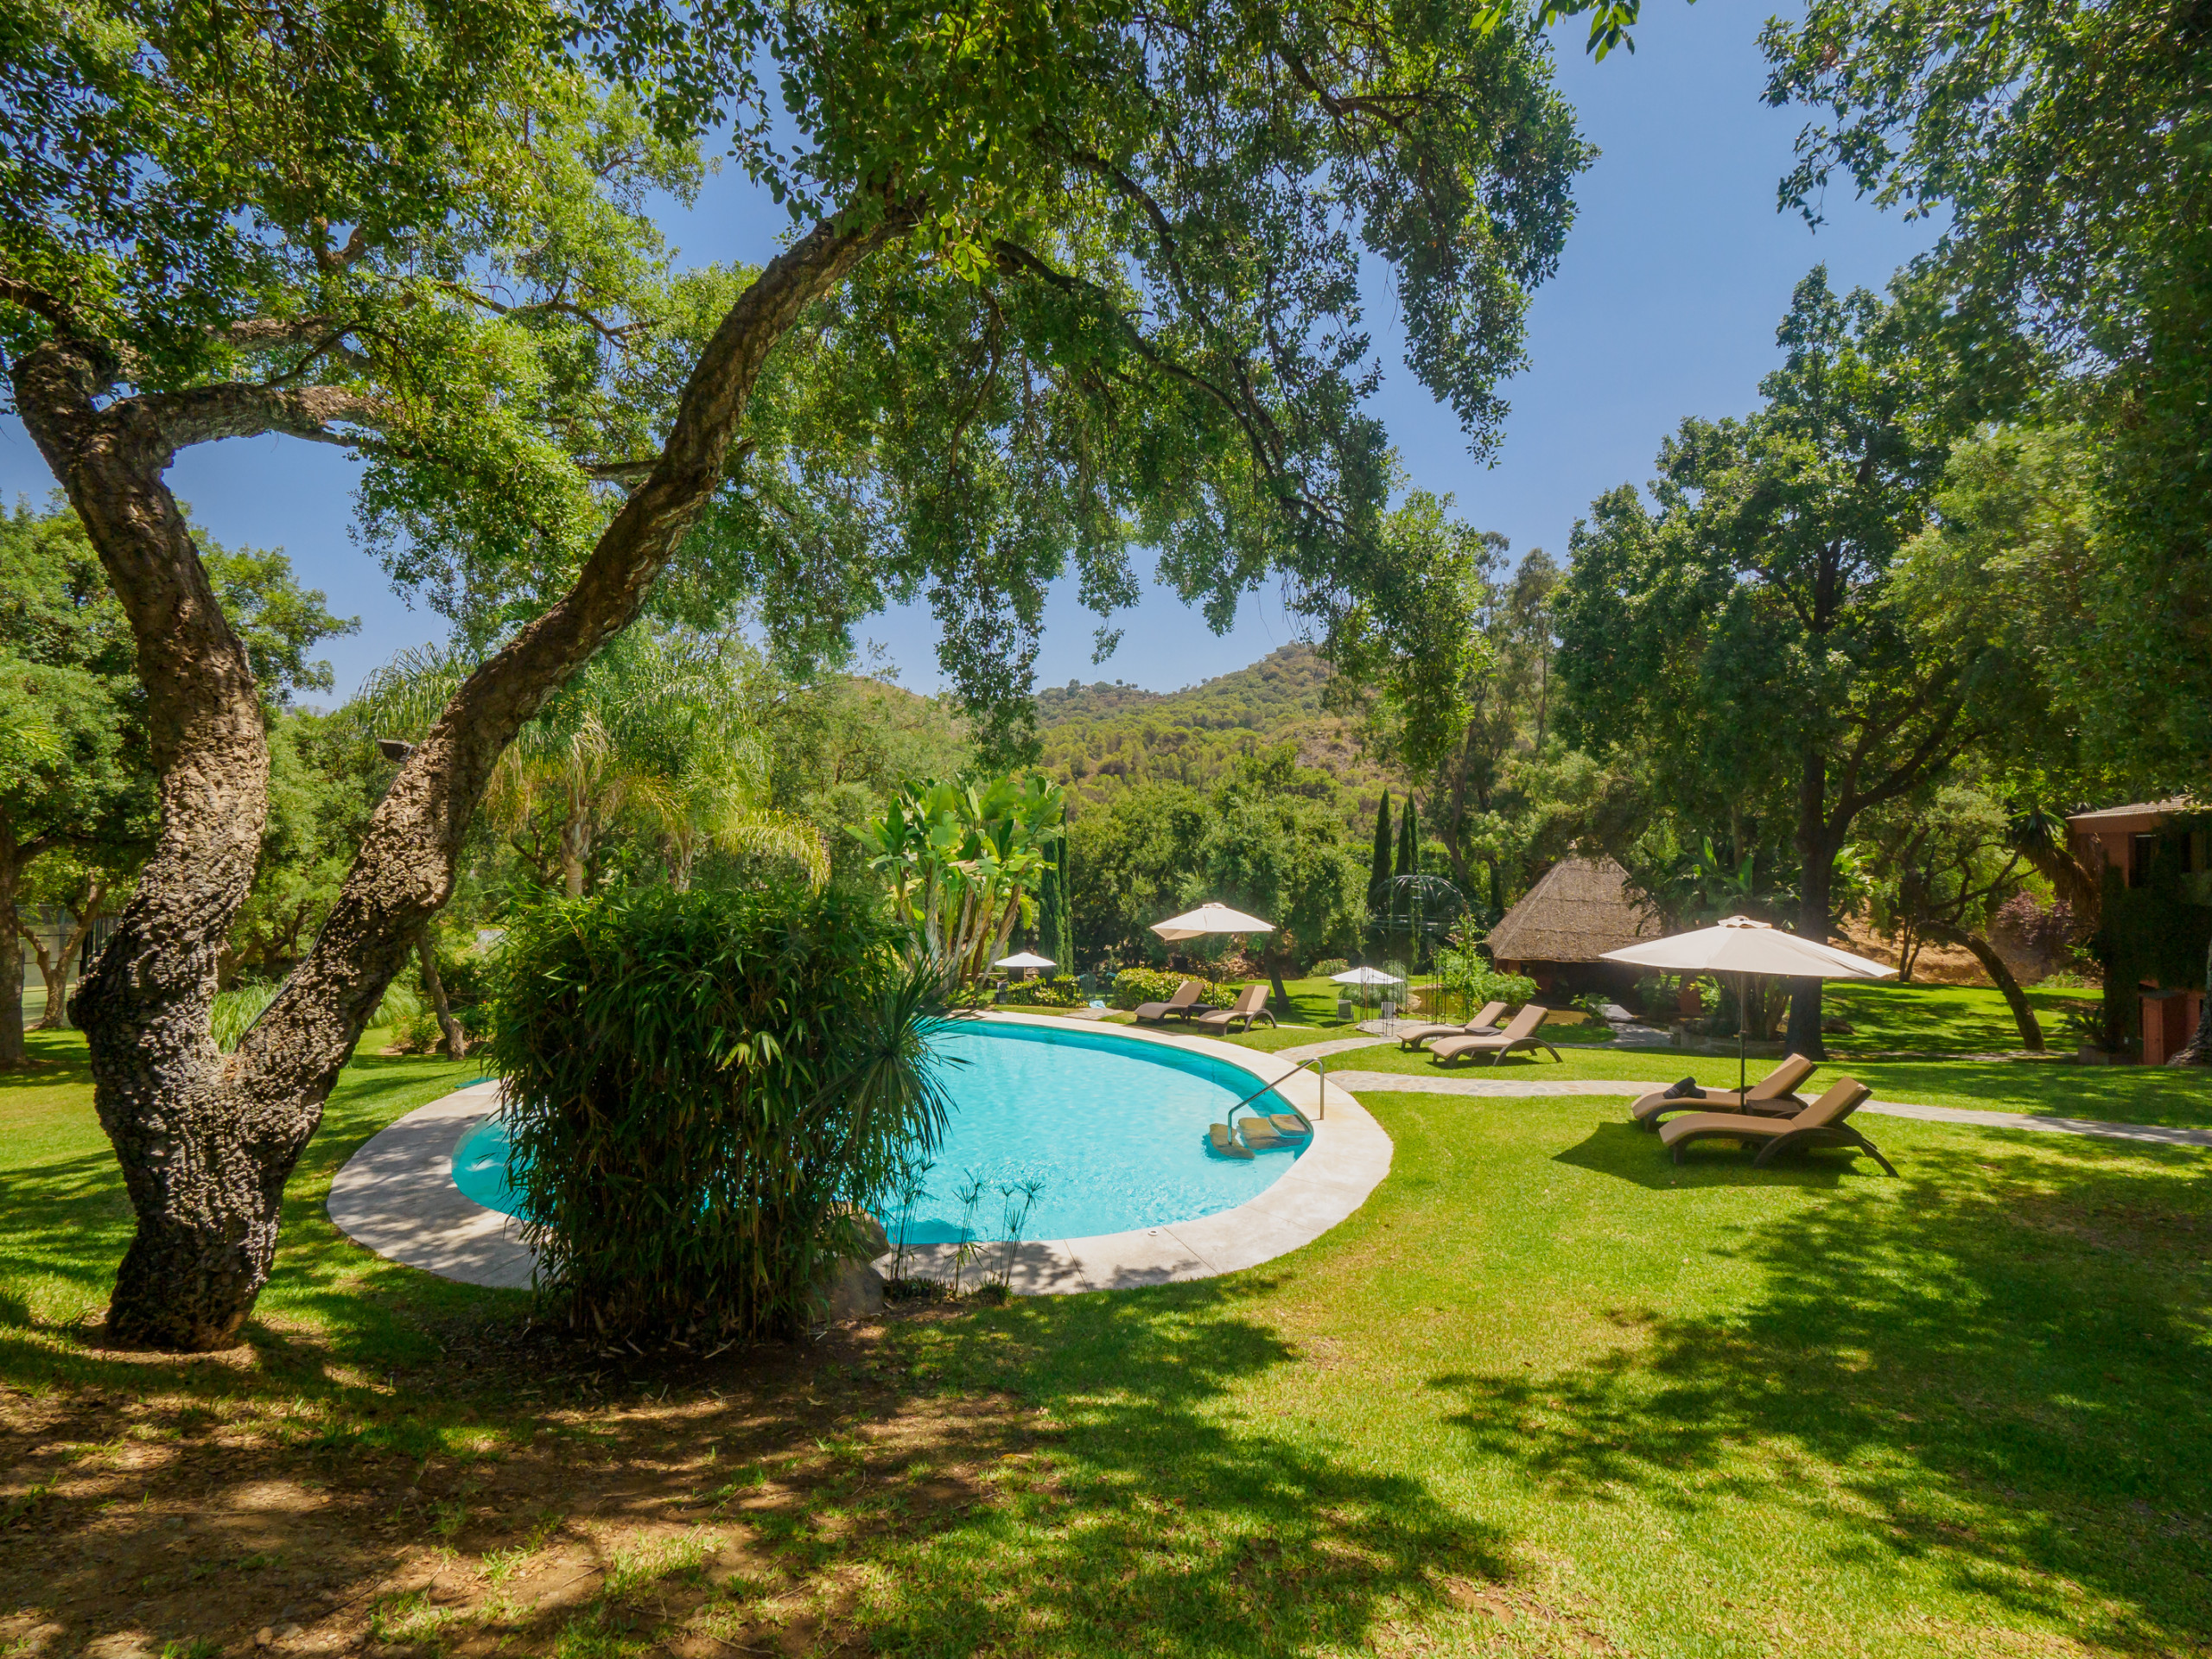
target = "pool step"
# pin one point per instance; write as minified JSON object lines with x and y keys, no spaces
{"x":1223,"y":1141}
{"x":1259,"y":1133}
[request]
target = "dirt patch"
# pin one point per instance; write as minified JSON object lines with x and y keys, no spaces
{"x":518,"y":1498}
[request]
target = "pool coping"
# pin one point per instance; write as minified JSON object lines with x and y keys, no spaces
{"x":397,"y":1197}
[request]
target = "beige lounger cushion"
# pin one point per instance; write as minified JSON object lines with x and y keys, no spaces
{"x":1522,"y":1030}
{"x":1843,"y":1097}
{"x":1778,"y":1091}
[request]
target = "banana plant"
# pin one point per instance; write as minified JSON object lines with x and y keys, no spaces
{"x":965,"y":862}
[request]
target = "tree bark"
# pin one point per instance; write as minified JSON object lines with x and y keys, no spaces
{"x":56,"y":972}
{"x":456,"y":1038}
{"x":11,"y":952}
{"x":1815,"y":859}
{"x":208,"y":1140}
{"x":2024,"y":1016}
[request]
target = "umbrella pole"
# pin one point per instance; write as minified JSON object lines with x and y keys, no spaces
{"x":1742,"y":988}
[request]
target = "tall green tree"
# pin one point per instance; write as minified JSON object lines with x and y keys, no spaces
{"x":1378,"y":865}
{"x":1059,"y":283}
{"x":1277,"y":850}
{"x":2064,"y":146}
{"x":1746,"y":641}
{"x":1136,"y":861}
{"x":1408,"y":864}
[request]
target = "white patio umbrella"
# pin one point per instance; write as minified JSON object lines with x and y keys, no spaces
{"x":1747,"y":949}
{"x":1023,"y":959}
{"x":1210,"y":917}
{"x":1364,"y":976}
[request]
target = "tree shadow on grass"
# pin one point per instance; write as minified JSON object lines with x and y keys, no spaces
{"x":330,"y":1304}
{"x":1055,"y":1476}
{"x":1622,"y":1150}
{"x":2179,"y":1097}
{"x":1998,"y":1363}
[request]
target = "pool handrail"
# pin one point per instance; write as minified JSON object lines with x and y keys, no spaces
{"x":1321,"y":1072}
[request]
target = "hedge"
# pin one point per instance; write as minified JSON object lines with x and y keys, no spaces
{"x":1133,"y":986}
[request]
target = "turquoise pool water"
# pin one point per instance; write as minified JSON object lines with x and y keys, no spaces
{"x":1114,"y":1129}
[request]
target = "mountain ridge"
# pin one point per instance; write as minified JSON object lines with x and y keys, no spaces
{"x":1104,"y":739}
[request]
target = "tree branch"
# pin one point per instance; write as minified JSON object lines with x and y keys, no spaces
{"x":241,"y":409}
{"x":404,"y":868}
{"x":37,"y":299}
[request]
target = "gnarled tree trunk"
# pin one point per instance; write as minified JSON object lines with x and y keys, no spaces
{"x":456,"y":1038}
{"x":2000,"y":976}
{"x":206,"y":1140}
{"x":11,"y":950}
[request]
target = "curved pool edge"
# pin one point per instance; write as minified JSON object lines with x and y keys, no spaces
{"x":397,"y":1197}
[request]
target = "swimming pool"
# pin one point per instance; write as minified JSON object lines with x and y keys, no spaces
{"x":1114,"y":1127}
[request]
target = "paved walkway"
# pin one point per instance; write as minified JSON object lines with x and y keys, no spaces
{"x":1420,"y":1083}
{"x":1322,"y":1051}
{"x":396,"y":1196}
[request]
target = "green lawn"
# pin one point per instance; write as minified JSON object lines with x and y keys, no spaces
{"x":1940,"y":1019}
{"x":1546,"y":1393}
{"x":2057,"y":1087}
{"x":68,"y":1221}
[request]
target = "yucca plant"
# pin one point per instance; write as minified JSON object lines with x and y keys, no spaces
{"x":706,"y":1090}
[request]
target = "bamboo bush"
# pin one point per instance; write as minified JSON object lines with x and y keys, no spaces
{"x":705,"y":1092}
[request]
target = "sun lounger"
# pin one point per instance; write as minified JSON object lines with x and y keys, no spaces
{"x":1251,"y":1004}
{"x":1821,"y":1124}
{"x":1185,"y":995}
{"x":1485,"y":1024}
{"x":1520,"y":1034}
{"x":1774,"y":1096}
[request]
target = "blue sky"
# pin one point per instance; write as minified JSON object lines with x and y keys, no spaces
{"x":1665,"y":305}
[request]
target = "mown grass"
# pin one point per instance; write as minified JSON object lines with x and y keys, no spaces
{"x":1545,"y":1393}
{"x":68,"y":1221}
{"x":1941,"y":1019}
{"x":2057,"y":1087}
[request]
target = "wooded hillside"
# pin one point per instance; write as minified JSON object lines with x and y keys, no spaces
{"x":1103,"y":739}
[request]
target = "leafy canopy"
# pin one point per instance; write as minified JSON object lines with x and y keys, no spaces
{"x":1124,"y":306}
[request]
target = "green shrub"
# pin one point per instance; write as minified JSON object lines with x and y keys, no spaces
{"x":1060,"y":992}
{"x":1134,"y":985}
{"x":704,"y":1090}
{"x":1328,"y":969}
{"x":1472,"y":980}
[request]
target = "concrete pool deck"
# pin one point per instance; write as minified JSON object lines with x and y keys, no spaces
{"x":397,"y":1197}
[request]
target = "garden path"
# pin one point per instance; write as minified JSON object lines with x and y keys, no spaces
{"x":1322,"y":1051}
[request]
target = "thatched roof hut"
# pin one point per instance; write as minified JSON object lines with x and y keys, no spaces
{"x":1569,"y":920}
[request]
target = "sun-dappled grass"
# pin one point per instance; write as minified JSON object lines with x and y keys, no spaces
{"x":1545,"y":1393}
{"x":2057,"y":1087}
{"x":68,"y":1221}
{"x":1938,"y":1019}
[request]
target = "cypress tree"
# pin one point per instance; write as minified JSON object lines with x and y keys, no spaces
{"x":1409,"y":864}
{"x":1061,"y":918}
{"x":1378,"y":872}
